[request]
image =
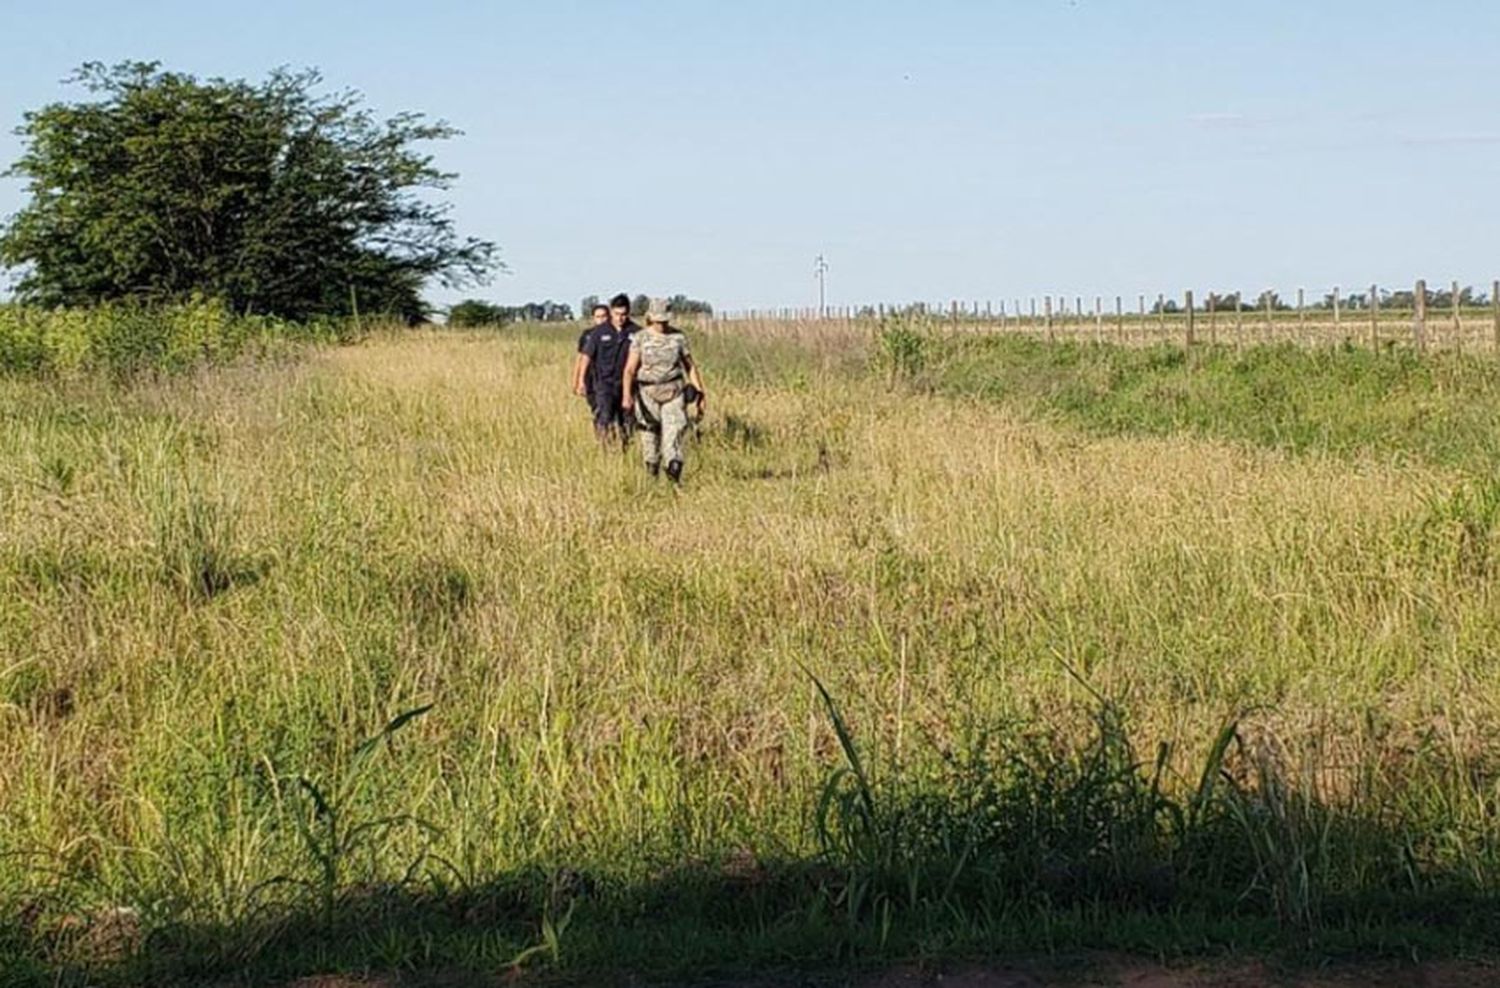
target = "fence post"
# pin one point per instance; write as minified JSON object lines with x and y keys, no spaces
{"x":1161,"y":315}
{"x":1335,"y":310}
{"x":1375,"y":317}
{"x":1142,"y":327}
{"x":1458,"y":321}
{"x":1301,"y":315}
{"x":1188,"y":298}
{"x":1048,"y":304}
{"x":1419,"y":315}
{"x":1270,"y":306}
{"x":1239,"y":320}
{"x":1098,"y":319}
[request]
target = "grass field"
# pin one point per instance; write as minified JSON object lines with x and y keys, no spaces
{"x":1121,"y":648}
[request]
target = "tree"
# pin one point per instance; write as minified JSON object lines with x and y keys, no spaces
{"x":639,"y":305}
{"x":476,"y":312}
{"x":265,"y":195}
{"x":587,"y":306}
{"x":681,"y":305}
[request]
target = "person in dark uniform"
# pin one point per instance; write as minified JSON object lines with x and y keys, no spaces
{"x":583,"y":380}
{"x":605,"y":350}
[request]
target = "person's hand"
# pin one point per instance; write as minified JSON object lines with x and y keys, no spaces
{"x":578,"y":390}
{"x":702,"y":404}
{"x":627,"y":402}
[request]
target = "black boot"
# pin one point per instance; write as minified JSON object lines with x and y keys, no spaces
{"x":654,"y":469}
{"x":674,"y":471}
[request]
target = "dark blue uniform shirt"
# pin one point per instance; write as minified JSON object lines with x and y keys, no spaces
{"x":607,"y":349}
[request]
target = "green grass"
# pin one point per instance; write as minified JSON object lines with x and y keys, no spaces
{"x":122,"y":339}
{"x":1095,"y":676}
{"x":1442,"y":408}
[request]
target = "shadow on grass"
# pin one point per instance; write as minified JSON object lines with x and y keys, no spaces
{"x":1025,"y":845}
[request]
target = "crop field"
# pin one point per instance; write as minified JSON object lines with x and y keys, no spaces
{"x":369,"y":658}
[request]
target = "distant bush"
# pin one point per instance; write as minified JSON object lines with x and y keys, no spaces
{"x":126,"y":338}
{"x":474,"y":312}
{"x":477,"y":312}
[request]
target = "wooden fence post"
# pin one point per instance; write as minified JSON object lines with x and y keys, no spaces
{"x":1098,"y":319}
{"x":1335,"y":310}
{"x":1458,"y":320}
{"x":1270,"y":330}
{"x":1419,"y":316}
{"x":1120,"y":321}
{"x":1188,"y":298}
{"x":1375,"y":317}
{"x":1495,"y":307}
{"x":1301,"y":315}
{"x":1047,"y":302}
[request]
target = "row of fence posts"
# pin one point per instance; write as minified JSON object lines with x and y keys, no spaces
{"x":1189,"y":314}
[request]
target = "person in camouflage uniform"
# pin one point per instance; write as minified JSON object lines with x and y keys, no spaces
{"x":661,"y":381}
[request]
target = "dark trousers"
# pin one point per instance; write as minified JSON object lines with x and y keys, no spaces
{"x":609,"y":414}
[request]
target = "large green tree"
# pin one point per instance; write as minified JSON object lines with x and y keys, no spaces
{"x":267,"y":195}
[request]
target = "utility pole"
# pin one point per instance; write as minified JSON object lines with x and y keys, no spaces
{"x":820,"y":271}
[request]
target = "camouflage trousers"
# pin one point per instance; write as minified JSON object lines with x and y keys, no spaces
{"x":662,"y":425}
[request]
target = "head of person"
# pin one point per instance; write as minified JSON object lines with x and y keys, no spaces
{"x":601,"y":314}
{"x":657,"y":315}
{"x":619,"y":309}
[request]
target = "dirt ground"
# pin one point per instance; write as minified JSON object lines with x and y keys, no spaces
{"x":1106,"y":973}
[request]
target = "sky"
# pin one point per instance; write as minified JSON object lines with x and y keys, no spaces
{"x":929,"y":151}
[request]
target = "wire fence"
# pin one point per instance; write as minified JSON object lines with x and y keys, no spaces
{"x":1418,"y":319}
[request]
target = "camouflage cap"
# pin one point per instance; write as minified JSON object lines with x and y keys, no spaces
{"x":657,"y":312}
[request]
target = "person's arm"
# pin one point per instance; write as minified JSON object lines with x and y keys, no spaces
{"x":632,"y":364}
{"x":695,"y":378}
{"x":580,"y":370}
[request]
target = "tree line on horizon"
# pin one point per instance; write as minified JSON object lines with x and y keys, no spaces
{"x":478,"y":312}
{"x":1436,"y":298}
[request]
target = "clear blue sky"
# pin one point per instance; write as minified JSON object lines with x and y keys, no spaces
{"x":935,"y":150}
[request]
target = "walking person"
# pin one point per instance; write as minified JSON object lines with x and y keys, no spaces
{"x":583,"y":378}
{"x":605,"y":350}
{"x":661,"y":380}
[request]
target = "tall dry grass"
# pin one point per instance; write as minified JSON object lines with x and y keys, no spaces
{"x":213,"y":588}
